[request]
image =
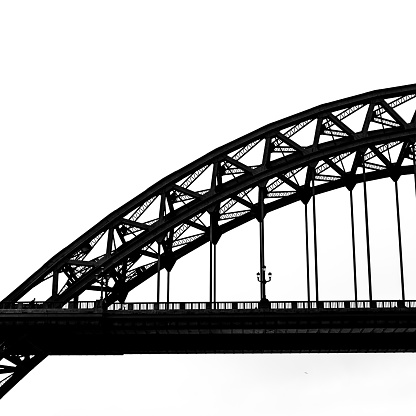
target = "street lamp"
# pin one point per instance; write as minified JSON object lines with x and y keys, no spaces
{"x":262,"y":279}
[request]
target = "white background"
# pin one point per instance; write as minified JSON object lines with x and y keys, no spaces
{"x":99,"y":100}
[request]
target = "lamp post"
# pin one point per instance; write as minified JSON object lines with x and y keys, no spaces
{"x":262,"y":279}
{"x":261,"y":275}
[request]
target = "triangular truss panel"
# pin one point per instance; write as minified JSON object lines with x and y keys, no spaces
{"x":353,"y":117}
{"x":251,"y":195}
{"x":278,"y":185}
{"x":385,"y":116}
{"x":286,"y":184}
{"x":199,"y":181}
{"x":391,"y":151}
{"x":333,"y":166}
{"x":85,"y":249}
{"x":136,"y":214}
{"x":331,"y":131}
{"x":236,"y":206}
{"x":250,"y":155}
{"x":298,"y":176}
{"x":193,"y":226}
{"x":150,"y":212}
{"x":231,"y":206}
{"x":281,"y":148}
{"x":187,"y":238}
{"x":343,"y":161}
{"x":141,"y":265}
{"x":229,"y":169}
{"x":302,"y":133}
{"x":374,"y":160}
{"x":145,"y":258}
{"x":99,"y":248}
{"x":204,"y":220}
{"x":405,"y":106}
{"x":324,"y":173}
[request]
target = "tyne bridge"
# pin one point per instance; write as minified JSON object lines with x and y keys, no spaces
{"x":340,"y":145}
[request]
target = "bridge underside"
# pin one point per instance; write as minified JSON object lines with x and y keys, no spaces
{"x":98,"y":332}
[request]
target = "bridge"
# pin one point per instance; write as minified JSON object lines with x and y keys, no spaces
{"x":337,"y":145}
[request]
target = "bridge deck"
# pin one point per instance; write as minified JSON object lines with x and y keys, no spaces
{"x":228,"y":327}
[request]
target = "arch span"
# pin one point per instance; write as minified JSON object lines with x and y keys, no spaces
{"x":339,"y":144}
{"x":321,"y":149}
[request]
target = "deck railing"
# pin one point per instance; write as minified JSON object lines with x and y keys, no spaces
{"x":172,"y":306}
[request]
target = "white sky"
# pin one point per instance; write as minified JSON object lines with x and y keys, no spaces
{"x":99,"y":100}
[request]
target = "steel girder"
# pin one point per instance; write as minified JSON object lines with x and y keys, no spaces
{"x":325,"y":148}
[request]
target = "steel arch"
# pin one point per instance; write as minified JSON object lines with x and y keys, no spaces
{"x":187,"y":215}
{"x":179,"y":226}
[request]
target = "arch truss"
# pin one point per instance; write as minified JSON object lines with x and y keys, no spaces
{"x":339,"y":144}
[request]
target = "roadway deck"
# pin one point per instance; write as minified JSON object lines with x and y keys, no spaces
{"x":128,"y":329}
